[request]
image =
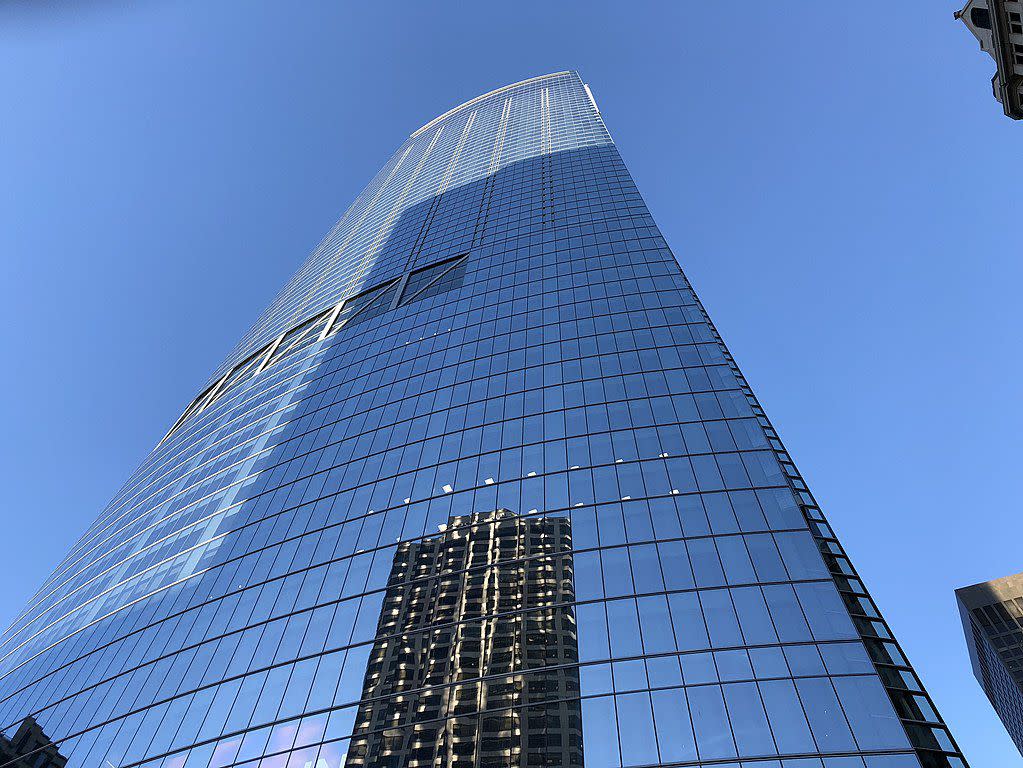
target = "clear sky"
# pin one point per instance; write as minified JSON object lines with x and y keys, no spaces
{"x":835,"y":178}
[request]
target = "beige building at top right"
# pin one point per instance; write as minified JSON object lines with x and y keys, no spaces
{"x":998,"y":26}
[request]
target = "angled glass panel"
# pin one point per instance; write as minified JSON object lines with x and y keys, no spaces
{"x":435,"y":279}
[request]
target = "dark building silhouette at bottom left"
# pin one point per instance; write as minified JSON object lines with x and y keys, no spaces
{"x":29,"y":747}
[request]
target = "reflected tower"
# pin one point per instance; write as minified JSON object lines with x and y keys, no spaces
{"x":29,"y":747}
{"x":316,"y":566}
{"x":476,"y":656}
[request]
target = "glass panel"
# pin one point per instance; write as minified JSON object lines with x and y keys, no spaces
{"x":710,"y":722}
{"x":787,"y":717}
{"x":600,"y":733}
{"x":827,"y":720}
{"x":749,"y":723}
{"x":870,"y":712}
{"x":636,"y":728}
{"x":675,"y":737}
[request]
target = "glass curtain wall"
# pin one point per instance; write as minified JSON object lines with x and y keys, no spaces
{"x":482,"y":487}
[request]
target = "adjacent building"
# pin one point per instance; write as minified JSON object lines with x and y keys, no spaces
{"x":481,"y":487}
{"x":998,"y":27}
{"x":992,"y":614}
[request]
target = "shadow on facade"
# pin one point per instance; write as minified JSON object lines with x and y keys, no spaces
{"x":474,"y":657}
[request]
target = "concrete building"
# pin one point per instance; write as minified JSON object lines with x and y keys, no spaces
{"x":998,"y":26}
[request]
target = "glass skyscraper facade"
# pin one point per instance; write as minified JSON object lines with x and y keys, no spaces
{"x":482,"y":487}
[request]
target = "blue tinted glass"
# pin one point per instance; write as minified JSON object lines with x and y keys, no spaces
{"x":787,"y":716}
{"x":636,"y":727}
{"x":749,"y":723}
{"x":674,"y":730}
{"x":870,"y":713}
{"x":827,"y":720}
{"x":481,"y":487}
{"x":600,"y":732}
{"x":710,"y":722}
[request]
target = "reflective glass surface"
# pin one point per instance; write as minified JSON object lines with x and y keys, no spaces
{"x":482,"y":487}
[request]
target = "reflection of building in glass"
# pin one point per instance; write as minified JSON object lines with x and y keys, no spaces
{"x":474,"y":661}
{"x":30,"y":748}
{"x":992,"y":614}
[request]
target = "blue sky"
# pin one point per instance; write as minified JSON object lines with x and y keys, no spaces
{"x":836,"y":180}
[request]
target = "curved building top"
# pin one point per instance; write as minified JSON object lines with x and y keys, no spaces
{"x":426,"y":184}
{"x":426,"y":206}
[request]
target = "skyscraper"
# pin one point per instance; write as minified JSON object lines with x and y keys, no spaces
{"x":992,"y":614}
{"x":482,"y":486}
